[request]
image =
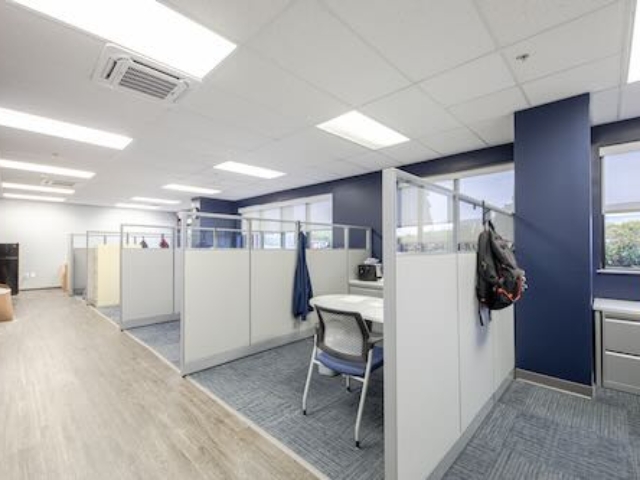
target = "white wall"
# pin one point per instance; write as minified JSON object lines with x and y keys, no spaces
{"x":42,"y":230}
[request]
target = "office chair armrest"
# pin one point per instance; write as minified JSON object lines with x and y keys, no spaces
{"x":374,"y":339}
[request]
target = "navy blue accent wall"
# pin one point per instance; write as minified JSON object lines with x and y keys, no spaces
{"x":487,"y":157}
{"x":607,"y":285}
{"x":553,"y":236}
{"x":214,"y":205}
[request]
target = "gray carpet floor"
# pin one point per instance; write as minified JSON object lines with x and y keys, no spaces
{"x":267,"y":388}
{"x":163,"y":338}
{"x":113,"y":312}
{"x":538,"y":433}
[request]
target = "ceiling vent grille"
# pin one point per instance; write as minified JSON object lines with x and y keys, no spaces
{"x":120,"y":69}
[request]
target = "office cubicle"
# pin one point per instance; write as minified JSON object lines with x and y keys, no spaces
{"x":103,"y":269}
{"x":238,"y":282}
{"x":443,"y":370}
{"x":150,"y":282}
{"x":77,"y":264}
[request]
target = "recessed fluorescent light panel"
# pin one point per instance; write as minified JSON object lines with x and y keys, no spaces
{"x":55,"y":128}
{"x":191,"y":189}
{"x":634,"y":60}
{"x":159,"y":201}
{"x":135,"y":205}
{"x":363,"y":130}
{"x":36,"y":188}
{"x":40,"y":198}
{"x":49,"y":169}
{"x":146,"y":26}
{"x":245,"y":169}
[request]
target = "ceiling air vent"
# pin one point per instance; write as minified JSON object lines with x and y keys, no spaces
{"x":123,"y":70}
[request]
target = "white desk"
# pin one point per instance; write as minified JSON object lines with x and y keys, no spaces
{"x":371,"y":308}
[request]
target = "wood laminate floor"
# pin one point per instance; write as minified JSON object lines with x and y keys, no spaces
{"x":80,"y":400}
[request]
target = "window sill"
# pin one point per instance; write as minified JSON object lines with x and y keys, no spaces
{"x":613,"y":271}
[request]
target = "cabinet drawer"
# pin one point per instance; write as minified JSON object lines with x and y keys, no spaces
{"x":622,"y":371}
{"x":622,"y":336}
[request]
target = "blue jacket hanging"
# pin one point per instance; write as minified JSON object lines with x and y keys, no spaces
{"x":302,"y":290}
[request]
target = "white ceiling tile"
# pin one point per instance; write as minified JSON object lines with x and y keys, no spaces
{"x":515,"y":20}
{"x":630,"y":101}
{"x":454,"y":141}
{"x":238,"y":20}
{"x":495,"y":131}
{"x":309,"y":147}
{"x":409,"y":152}
{"x":410,"y":112}
{"x":261,"y":81}
{"x":343,"y":168}
{"x":592,"y":77}
{"x":225,"y":107}
{"x":310,"y":42}
{"x":374,"y":161}
{"x":413,"y":34}
{"x":589,"y":38}
{"x":479,"y":77}
{"x":490,"y":106}
{"x":604,"y":106}
{"x":201,"y":134}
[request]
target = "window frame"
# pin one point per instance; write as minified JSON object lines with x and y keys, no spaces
{"x":603,"y":152}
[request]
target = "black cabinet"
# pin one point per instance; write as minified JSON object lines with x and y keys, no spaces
{"x":9,"y":266}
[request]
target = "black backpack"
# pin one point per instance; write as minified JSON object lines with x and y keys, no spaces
{"x":499,"y":281}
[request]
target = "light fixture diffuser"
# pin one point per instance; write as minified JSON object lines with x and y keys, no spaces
{"x":49,"y":169}
{"x":363,"y":130}
{"x":39,"y":198}
{"x":145,"y":26}
{"x":56,"y":128}
{"x":244,"y":169}
{"x":160,"y":201}
{"x":191,"y":189}
{"x":136,"y":205}
{"x":37,"y":188}
{"x":634,"y":59}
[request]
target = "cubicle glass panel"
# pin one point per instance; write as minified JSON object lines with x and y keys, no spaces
{"x":148,"y":237}
{"x":437,"y":222}
{"x":93,"y":239}
{"x":407,"y":218}
{"x":503,"y":225}
{"x":216,"y":238}
{"x":470,"y":227}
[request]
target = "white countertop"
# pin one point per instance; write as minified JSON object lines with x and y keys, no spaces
{"x":370,"y":308}
{"x":622,"y":307}
{"x":377,"y":285}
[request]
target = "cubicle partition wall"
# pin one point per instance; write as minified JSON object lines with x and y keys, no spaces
{"x":443,"y":369}
{"x":103,"y":268}
{"x":148,"y":281}
{"x":77,"y":264}
{"x":238,"y":284}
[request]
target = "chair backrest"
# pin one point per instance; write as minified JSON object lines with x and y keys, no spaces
{"x":343,"y":334}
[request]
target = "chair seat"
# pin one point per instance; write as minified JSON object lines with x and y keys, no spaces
{"x":351,"y":368}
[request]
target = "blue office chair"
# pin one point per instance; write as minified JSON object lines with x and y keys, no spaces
{"x":344,"y":344}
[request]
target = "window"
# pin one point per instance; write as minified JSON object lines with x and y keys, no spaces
{"x":495,"y":185}
{"x":621,"y":206}
{"x":273,"y":234}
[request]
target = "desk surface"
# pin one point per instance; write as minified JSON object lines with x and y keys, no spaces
{"x":370,"y":308}
{"x":611,"y":306}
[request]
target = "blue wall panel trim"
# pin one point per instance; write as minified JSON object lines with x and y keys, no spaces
{"x":623,"y":287}
{"x":553,"y":236}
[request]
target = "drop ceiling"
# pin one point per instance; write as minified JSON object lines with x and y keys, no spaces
{"x":444,"y":73}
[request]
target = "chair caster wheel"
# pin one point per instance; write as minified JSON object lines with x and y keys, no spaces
{"x":357,"y":443}
{"x":304,"y":412}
